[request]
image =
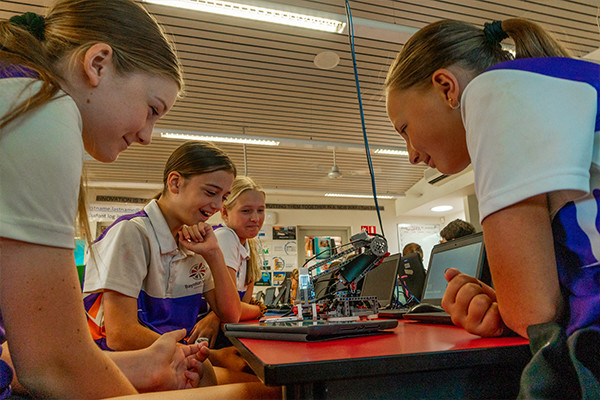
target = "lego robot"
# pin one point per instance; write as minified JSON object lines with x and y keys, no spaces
{"x":330,"y":289}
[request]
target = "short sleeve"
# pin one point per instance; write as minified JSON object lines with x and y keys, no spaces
{"x":527,"y":134}
{"x":229,"y":244}
{"x":41,"y":158}
{"x":119,"y":261}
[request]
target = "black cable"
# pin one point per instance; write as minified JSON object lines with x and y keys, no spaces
{"x":362,"y":113}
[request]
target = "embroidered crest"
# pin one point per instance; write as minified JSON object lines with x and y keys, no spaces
{"x":198,"y":272}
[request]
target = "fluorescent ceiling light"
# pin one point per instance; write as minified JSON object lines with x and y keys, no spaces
{"x":257,"y":13}
{"x":359,"y":196}
{"x":391,"y":152}
{"x":269,"y":141}
{"x":441,"y":208}
{"x":221,"y":139}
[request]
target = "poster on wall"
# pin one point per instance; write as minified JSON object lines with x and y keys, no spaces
{"x":265,"y":279}
{"x":290,"y":248}
{"x":279,"y":254}
{"x":266,"y":233}
{"x":278,"y":263}
{"x":278,"y":278}
{"x":284,"y":233}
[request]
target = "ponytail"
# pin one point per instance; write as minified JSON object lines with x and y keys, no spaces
{"x":447,"y":42}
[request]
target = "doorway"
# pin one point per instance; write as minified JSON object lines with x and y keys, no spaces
{"x":306,"y":239}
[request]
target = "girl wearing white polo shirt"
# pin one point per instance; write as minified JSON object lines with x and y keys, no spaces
{"x":530,"y":128}
{"x":154,"y":271}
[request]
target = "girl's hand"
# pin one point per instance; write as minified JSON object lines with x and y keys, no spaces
{"x":199,"y":238}
{"x":168,"y":365}
{"x":230,"y":358}
{"x":472,"y":305}
{"x":207,"y":327}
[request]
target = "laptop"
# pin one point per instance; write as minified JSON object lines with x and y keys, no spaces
{"x":412,"y":279}
{"x":381,"y":281}
{"x":467,"y":254}
{"x":308,"y":330}
{"x":270,"y":296}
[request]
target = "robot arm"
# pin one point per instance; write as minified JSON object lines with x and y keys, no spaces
{"x":368,"y":251}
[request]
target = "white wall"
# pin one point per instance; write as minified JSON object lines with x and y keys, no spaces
{"x":290,"y":217}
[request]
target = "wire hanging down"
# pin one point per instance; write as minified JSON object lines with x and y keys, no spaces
{"x":362,"y":113}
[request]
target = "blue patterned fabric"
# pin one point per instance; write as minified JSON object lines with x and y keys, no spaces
{"x":6,"y":373}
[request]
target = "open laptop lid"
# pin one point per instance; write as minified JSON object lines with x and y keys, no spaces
{"x":307,"y":330}
{"x":381,"y":280}
{"x":467,"y":254}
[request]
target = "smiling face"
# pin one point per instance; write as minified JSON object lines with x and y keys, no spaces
{"x":247,"y":214}
{"x":197,"y":198}
{"x":123,"y":110}
{"x":433,"y":131}
{"x":117,"y":109}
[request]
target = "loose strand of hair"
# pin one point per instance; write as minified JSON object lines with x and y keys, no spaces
{"x":253,"y":269}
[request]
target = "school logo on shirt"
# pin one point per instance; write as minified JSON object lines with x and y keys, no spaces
{"x":198,"y":272}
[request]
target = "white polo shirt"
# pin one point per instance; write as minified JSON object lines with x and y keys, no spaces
{"x":138,"y":256}
{"x":236,"y":255}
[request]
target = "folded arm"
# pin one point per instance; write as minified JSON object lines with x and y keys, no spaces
{"x":520,"y":251}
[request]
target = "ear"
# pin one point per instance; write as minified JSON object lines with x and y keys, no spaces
{"x":447,"y":85}
{"x":224,"y":214}
{"x":174,"y":182}
{"x":97,"y":60}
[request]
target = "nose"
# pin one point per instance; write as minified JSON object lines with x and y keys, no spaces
{"x":217,"y":203}
{"x":413,"y":155}
{"x":144,"y":136}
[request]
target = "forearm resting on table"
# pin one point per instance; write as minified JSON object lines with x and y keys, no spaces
{"x":520,"y":250}
{"x":249,"y":312}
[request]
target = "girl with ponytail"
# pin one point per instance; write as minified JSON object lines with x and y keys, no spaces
{"x":529,"y":125}
{"x":88,"y":76}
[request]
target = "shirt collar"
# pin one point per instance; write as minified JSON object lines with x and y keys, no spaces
{"x":166,"y":241}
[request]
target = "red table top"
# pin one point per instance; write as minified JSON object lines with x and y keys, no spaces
{"x":408,"y":337}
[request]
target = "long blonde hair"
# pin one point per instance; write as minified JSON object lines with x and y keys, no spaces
{"x":447,"y":42}
{"x":68,"y":30}
{"x":240,"y":185}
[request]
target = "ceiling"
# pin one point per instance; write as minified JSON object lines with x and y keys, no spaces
{"x":259,"y":79}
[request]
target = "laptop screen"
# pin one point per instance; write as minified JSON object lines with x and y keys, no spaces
{"x":466,"y":254}
{"x":381,"y":280}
